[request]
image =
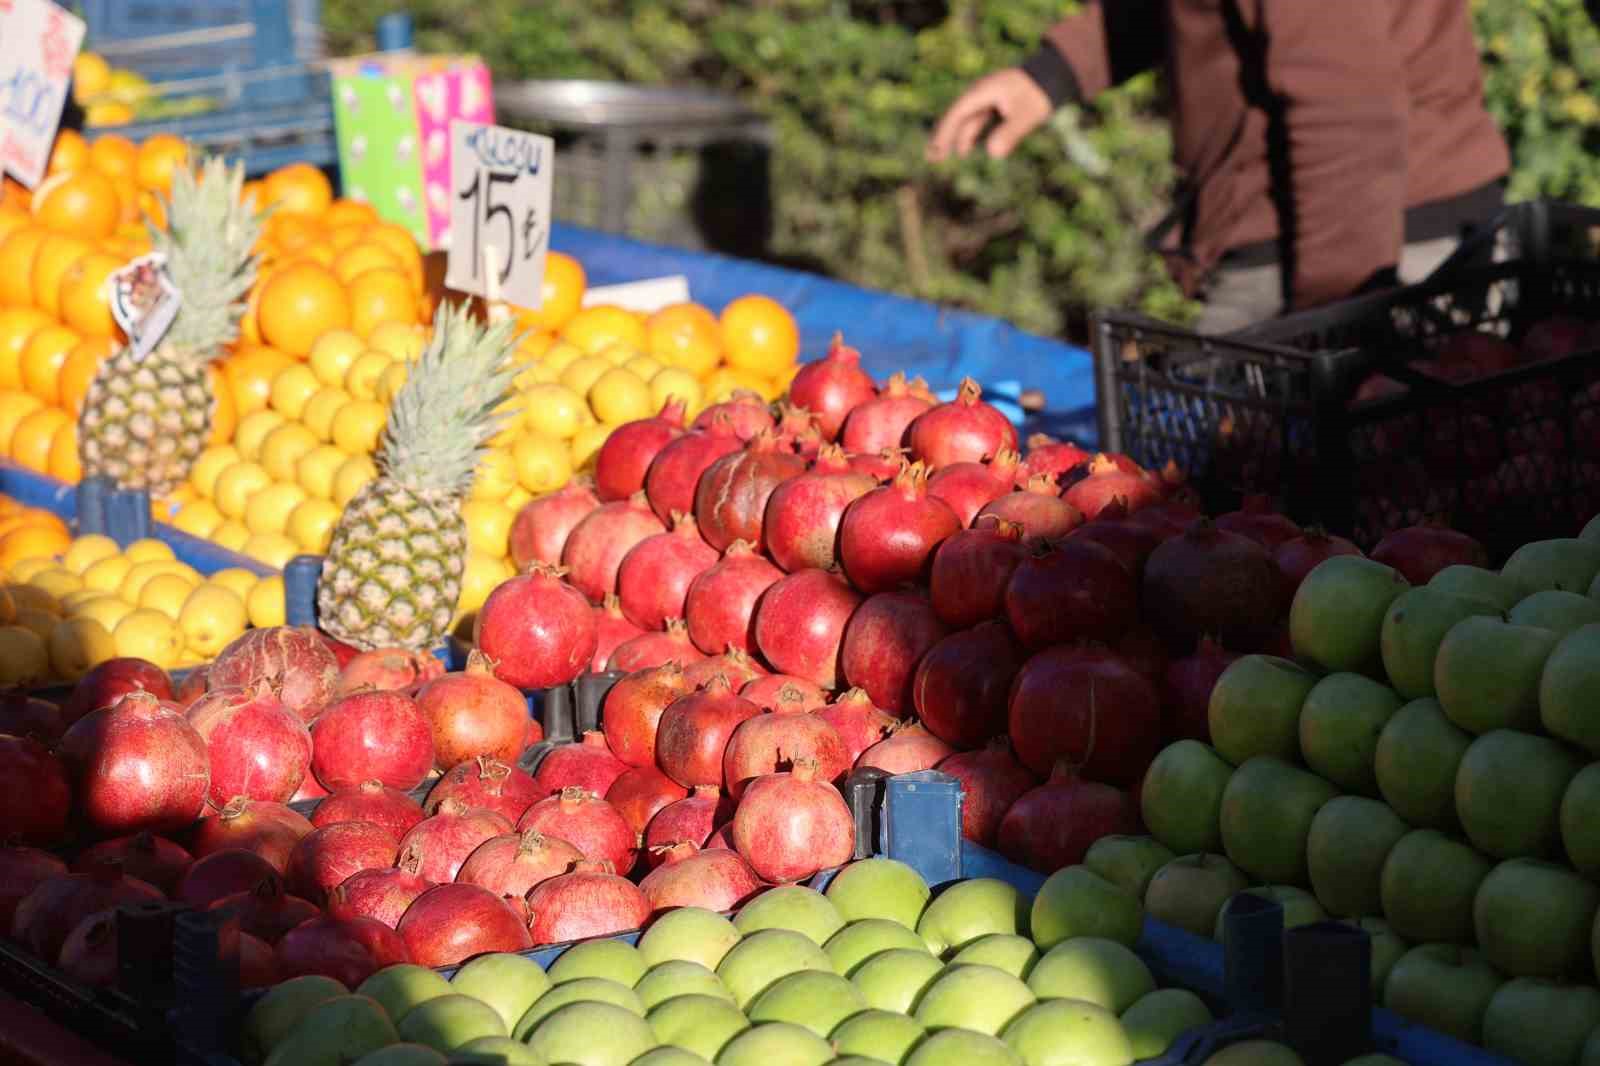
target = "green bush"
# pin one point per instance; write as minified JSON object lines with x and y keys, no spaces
{"x":852,"y":89}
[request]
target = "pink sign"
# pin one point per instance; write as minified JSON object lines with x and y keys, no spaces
{"x":458,"y":92}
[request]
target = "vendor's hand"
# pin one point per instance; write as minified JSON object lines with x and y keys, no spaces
{"x":1015,"y":97}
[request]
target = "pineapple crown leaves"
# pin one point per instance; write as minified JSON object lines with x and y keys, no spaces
{"x":208,"y":239}
{"x":450,"y":405}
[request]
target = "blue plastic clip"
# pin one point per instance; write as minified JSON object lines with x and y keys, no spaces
{"x":1252,"y":953}
{"x":128,"y":515}
{"x":93,"y":492}
{"x":394,"y":32}
{"x":300,"y":590}
{"x":922,"y":824}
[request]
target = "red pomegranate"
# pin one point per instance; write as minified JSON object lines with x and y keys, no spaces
{"x":1038,"y":508}
{"x":908,"y":748}
{"x":773,"y":741}
{"x":370,"y":801}
{"x":964,"y":430}
{"x":258,"y":966}
{"x":858,"y":722}
{"x":108,"y":682}
{"x":269,"y":829}
{"x":882,"y":422}
{"x":1298,"y":556}
{"x":653,"y":579}
{"x":449,"y":924}
{"x":1105,"y":480}
{"x":991,"y":781}
{"x":612,"y":630}
{"x":1210,"y":581}
{"x":1050,"y":457}
{"x":310,"y":789}
{"x":540,"y":530}
{"x":473,"y":713}
{"x":596,"y":545}
{"x":832,"y":387}
{"x":685,"y":876}
{"x":730,"y":499}
{"x":22,"y":715}
{"x":325,"y":857}
{"x":488,"y":783}
{"x":1129,"y":539}
{"x":968,"y":487}
{"x":967,"y":581}
{"x":1085,"y":705}
{"x":89,"y":954}
{"x":54,"y":908}
{"x":888,"y":536}
{"x":35,"y":797}
{"x":302,"y":670}
{"x":267,"y":911}
{"x":511,"y":864}
{"x":1077,"y":590}
{"x":746,"y":411}
{"x":880,"y":466}
{"x":962,"y":684}
{"x":621,"y":462}
{"x":655,"y":649}
{"x":1144,"y":651}
{"x":388,"y":668}
{"x":349,"y":950}
{"x":797,"y":431}
{"x":784,"y":692}
{"x":259,"y":747}
{"x":222,"y":873}
{"x":590,"y":901}
{"x":800,"y":622}
{"x":1052,"y":826}
{"x":135,"y":765}
{"x":343,"y":653}
{"x":721,"y":603}
{"x":1186,"y":691}
{"x":538,"y":630}
{"x":693,"y":733}
{"x":632,"y":711}
{"x":149,"y":858}
{"x":380,"y":893}
{"x":585,"y":764}
{"x":22,"y":870}
{"x":801,"y":525}
{"x":692,"y":819}
{"x":1256,"y":519}
{"x":371,"y":735}
{"x":1422,"y":550}
{"x":732,"y":664}
{"x":883,"y":642}
{"x":722,"y":839}
{"x":640,"y":793}
{"x":670,"y":482}
{"x":445,"y":838}
{"x":789,"y":826}
{"x":588,"y":823}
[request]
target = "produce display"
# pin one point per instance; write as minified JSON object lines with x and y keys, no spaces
{"x":111,"y":96}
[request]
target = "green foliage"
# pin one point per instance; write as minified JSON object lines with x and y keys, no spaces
{"x":852,"y":89}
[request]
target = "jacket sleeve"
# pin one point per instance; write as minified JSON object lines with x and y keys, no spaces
{"x":1337,"y":75}
{"x":1104,"y":44}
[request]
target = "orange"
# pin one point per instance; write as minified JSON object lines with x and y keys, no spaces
{"x":17,"y":326}
{"x":79,"y":370}
{"x":114,"y":155}
{"x":292,"y":232}
{"x":379,"y":296}
{"x":83,"y":203}
{"x":14,"y":407}
{"x":69,"y":153}
{"x":14,"y":194}
{"x":30,"y":444}
{"x":357,"y":259}
{"x":343,"y":236}
{"x":561,"y":295}
{"x":594,"y":329}
{"x":153,"y":207}
{"x":350,"y":213}
{"x":159,"y":156}
{"x":250,"y":321}
{"x":82,"y":299}
{"x":685,"y":336}
{"x":399,"y":241}
{"x":225,"y":414}
{"x":12,"y":220}
{"x":759,"y":335}
{"x":249,"y":373}
{"x":62,"y":462}
{"x":16,"y":265}
{"x":300,"y":304}
{"x":42,"y":359}
{"x":32,"y":542}
{"x":51,"y":262}
{"x":300,"y":188}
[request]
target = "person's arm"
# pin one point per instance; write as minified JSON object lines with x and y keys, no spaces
{"x":1104,"y":44}
{"x":1336,"y":73}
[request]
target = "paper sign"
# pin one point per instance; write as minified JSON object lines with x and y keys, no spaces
{"x":38,"y":42}
{"x":500,"y":186}
{"x":144,"y":302}
{"x":646,"y":297}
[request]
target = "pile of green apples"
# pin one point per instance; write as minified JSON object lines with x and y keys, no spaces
{"x":1425,"y":768}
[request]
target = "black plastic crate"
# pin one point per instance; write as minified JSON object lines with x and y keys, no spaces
{"x":1539,"y":231}
{"x":1509,"y":457}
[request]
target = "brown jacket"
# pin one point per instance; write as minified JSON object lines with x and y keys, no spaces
{"x":1320,"y":125}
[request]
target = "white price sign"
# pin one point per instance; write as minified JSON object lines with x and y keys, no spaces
{"x":501,"y":181}
{"x":38,"y":42}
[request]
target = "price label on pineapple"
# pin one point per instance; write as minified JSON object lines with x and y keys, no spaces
{"x":501,"y":181}
{"x":38,"y":42}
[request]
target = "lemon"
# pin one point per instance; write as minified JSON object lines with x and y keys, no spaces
{"x":583,"y":372}
{"x":143,"y":573}
{"x":481,"y":576}
{"x":358,"y":425}
{"x":510,"y":415}
{"x":237,"y":485}
{"x":236,"y":579}
{"x":107,"y":610}
{"x":619,"y":396}
{"x":720,"y":384}
{"x":389,"y":382}
{"x":268,"y":510}
{"x":399,"y":340}
{"x":587,"y":442}
{"x":23,"y":570}
{"x":644,"y":366}
{"x":230,"y":535}
{"x":274,"y":549}
{"x":332,"y":354}
{"x":25,"y":597}
{"x":496,"y":475}
{"x":76,"y":645}
{"x":58,"y":581}
{"x":252,"y":434}
{"x":149,"y":635}
{"x":211,"y":462}
{"x":554,"y":410}
{"x":311,"y":524}
{"x":561,"y":355}
{"x":488,"y":526}
{"x":283,"y":448}
{"x":543,"y":464}
{"x":534,"y":374}
{"x":211,"y":618}
{"x":38,"y":621}
{"x":76,"y":599}
{"x":147,"y":550}
{"x":265,"y":602}
{"x":107,"y":574}
{"x":165,"y":593}
{"x":619,"y":354}
{"x":291,"y":389}
{"x":675,"y":383}
{"x":23,"y":657}
{"x":88,"y":550}
{"x":361,"y":380}
{"x":353,"y":475}
{"x":316,"y":469}
{"x":198,"y":519}
{"x":321,"y":412}
{"x":517,"y":499}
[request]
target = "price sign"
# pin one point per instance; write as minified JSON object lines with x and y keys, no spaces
{"x":38,"y":42}
{"x":501,"y":181}
{"x":646,"y":297}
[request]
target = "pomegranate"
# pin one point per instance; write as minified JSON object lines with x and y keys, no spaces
{"x":22,"y":715}
{"x":789,"y":826}
{"x":1210,"y":581}
{"x":586,"y":764}
{"x":136,"y":765}
{"x":269,"y":829}
{"x":883,"y":642}
{"x":596,"y":545}
{"x":310,"y":789}
{"x":612,"y":630}
{"x":1085,"y":705}
{"x":888,"y":536}
{"x":640,"y":793}
{"x":882,"y":422}
{"x":1075,"y":591}
{"x":1130,"y":540}
{"x":800,"y":622}
{"x":540,"y":530}
{"x":732,"y":664}
{"x":54,"y":908}
{"x":857,"y":721}
{"x":880,"y":466}
{"x":590,"y":901}
{"x":722,"y":839}
{"x":370,"y":801}
{"x":371,"y":735}
{"x":967,"y":487}
{"x":21,"y":871}
{"x":692,"y":819}
{"x":685,"y":876}
{"x":511,"y":864}
{"x":588,"y":823}
{"x":909,"y":747}
{"x":991,"y":781}
{"x":1298,"y":556}
{"x":349,"y":950}
{"x":148,"y":857}
{"x":1168,"y":518}
{"x":342,"y":653}
{"x":832,"y":387}
{"x":1256,"y":519}
{"x":89,"y":953}
{"x":1050,"y":457}
{"x":655,"y":649}
{"x":1038,"y":508}
{"x":259,"y":747}
{"x":380,"y":893}
{"x":1186,"y":691}
{"x":1106,"y":480}
{"x":670,"y":482}
{"x":784,"y":692}
{"x":301,"y":668}
{"x":797,"y":431}
{"x":473,"y":713}
{"x":222,"y":873}
{"x":388,"y":668}
{"x":772,"y":741}
{"x":267,"y":911}
{"x":449,"y":924}
{"x":35,"y":797}
{"x":964,"y":430}
{"x":693,"y":733}
{"x":801,"y":525}
{"x":967,"y":581}
{"x":488,"y":783}
{"x":108,"y":682}
{"x":1420,"y":551}
{"x":1143,"y":650}
{"x":325,"y":857}
{"x":962,"y":684}
{"x":653,"y":579}
{"x":621,"y":462}
{"x":730,"y":499}
{"x":721,"y":603}
{"x":258,"y":966}
{"x":1052,"y":826}
{"x":746,"y":411}
{"x":449,"y":835}
{"x":632,"y":711}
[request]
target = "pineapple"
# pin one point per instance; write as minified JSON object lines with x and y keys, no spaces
{"x":144,"y":422}
{"x":393,"y":570}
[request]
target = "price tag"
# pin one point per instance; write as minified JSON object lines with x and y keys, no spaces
{"x":646,"y":297}
{"x":144,"y":302}
{"x":501,"y":182}
{"x":38,"y":42}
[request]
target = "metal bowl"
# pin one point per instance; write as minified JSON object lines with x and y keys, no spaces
{"x":605,"y":104}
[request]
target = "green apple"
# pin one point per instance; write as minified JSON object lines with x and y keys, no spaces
{"x":879,"y":888}
{"x":1555,"y":609}
{"x":1255,"y":1053}
{"x":1267,"y":810}
{"x":1416,"y":761}
{"x":1076,"y":901}
{"x":446,"y":1022}
{"x":1540,"y":1022}
{"x":591,"y":1033}
{"x":691,"y":933}
{"x":1127,"y":861}
{"x":980,"y":998}
{"x":1339,"y":727}
{"x":582,"y":990}
{"x":1181,"y":796}
{"x":1580,"y":813}
{"x":794,"y":907}
{"x":1069,"y":1032}
{"x":1299,"y":907}
{"x":337,"y":1030}
{"x":1386,"y":950}
{"x":776,"y":1044}
{"x":665,"y":1055}
{"x":1350,"y":840}
{"x":967,"y":910}
{"x":1013,"y":954}
{"x":403,"y":1055}
{"x":509,"y":983}
{"x":1564,"y":563}
{"x":761,"y":958}
{"x":276,"y":1014}
{"x":1092,"y":969}
{"x":1509,"y":790}
{"x":1567,"y":687}
{"x":864,"y":938}
{"x":1189,"y":891}
{"x":1591,"y":530}
{"x":1415,"y":623}
{"x":679,"y":977}
{"x":701,"y":1024}
{"x":818,"y":1001}
{"x":1544,"y":940}
{"x":959,"y":1047}
{"x":1336,"y":619}
{"x":1255,"y":708}
{"x":1444,"y":987}
{"x":499,"y":1051}
{"x":402,"y":986}
{"x":877,"y":1034}
{"x":1487,"y":673}
{"x":1160,"y":1017}
{"x":1476,"y":583}
{"x":614,"y":960}
{"x":892,"y":980}
{"x":1428,"y":885}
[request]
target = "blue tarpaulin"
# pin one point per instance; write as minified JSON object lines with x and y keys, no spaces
{"x":892,"y":332}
